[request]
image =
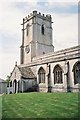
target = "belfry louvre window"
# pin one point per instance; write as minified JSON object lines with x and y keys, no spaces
{"x":42,"y":29}
{"x":27,"y":29}
{"x":57,"y":74}
{"x":41,"y":74}
{"x":76,"y":70}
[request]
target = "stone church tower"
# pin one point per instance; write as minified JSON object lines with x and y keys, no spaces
{"x":36,"y":36}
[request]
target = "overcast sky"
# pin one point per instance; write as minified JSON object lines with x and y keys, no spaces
{"x":65,"y":27}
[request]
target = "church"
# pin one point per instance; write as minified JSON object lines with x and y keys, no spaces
{"x":42,"y":69}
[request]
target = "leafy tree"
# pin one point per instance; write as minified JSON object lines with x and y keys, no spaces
{"x":8,"y":80}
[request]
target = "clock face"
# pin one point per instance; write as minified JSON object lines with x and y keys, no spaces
{"x":27,"y":49}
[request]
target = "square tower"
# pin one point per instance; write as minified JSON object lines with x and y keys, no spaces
{"x":36,"y":36}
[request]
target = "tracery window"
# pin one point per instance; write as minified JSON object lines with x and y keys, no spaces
{"x":76,"y":70}
{"x":41,"y":74}
{"x":57,"y":74}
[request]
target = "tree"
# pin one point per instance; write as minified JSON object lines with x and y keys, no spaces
{"x":8,"y":80}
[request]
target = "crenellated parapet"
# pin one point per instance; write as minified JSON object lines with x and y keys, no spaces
{"x":35,"y":13}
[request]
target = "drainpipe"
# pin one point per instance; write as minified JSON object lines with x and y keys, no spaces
{"x":67,"y":76}
{"x":48,"y":78}
{"x":22,"y":87}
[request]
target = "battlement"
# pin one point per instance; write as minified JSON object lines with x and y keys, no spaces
{"x":35,"y":13}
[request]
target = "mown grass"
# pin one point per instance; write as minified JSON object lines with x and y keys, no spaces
{"x":0,"y":107}
{"x":40,"y":105}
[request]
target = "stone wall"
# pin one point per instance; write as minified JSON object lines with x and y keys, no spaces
{"x":66,"y":60}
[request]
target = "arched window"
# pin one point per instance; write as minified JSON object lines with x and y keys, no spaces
{"x":27,"y":29}
{"x":41,"y":74}
{"x":76,"y":70}
{"x":57,"y":74}
{"x":42,"y":29}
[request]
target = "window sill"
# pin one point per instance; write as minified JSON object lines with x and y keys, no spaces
{"x":58,"y":84}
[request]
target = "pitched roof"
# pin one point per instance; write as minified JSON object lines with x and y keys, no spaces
{"x":26,"y":72}
{"x":1,"y":80}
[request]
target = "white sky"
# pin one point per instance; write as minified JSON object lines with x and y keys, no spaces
{"x":65,"y":27}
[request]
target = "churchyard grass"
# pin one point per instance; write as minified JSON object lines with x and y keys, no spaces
{"x":40,"y":105}
{"x":0,"y":106}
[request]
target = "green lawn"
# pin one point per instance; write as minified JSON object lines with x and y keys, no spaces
{"x":40,"y":105}
{"x":0,"y":107}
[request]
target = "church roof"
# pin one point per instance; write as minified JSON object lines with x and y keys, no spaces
{"x":1,"y":80}
{"x":26,"y":72}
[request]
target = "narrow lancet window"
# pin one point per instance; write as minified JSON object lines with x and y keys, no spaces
{"x":42,"y":29}
{"x":41,"y":74}
{"x":27,"y":29}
